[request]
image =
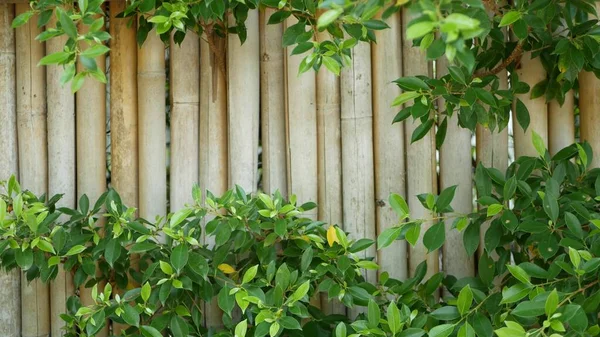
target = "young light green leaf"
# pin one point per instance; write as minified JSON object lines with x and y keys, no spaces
{"x":464,"y":301}
{"x":250,"y":274}
{"x":551,"y":303}
{"x":519,"y":273}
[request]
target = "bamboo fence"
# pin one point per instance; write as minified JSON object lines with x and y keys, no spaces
{"x":325,"y":138}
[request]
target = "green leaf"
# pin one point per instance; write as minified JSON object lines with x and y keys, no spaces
{"x":331,"y":64}
{"x":241,"y":328}
{"x":551,"y":303}
{"x":399,"y":205}
{"x":405,"y":97}
{"x":301,"y":291}
{"x":250,"y":274}
{"x":130,"y":315}
{"x":179,"y":257}
{"x":510,"y":18}
{"x":46,"y":246}
{"x":179,"y":216}
{"x":340,"y":330}
{"x":457,"y":74}
{"x":443,"y":330}
{"x":54,"y":58}
{"x":24,"y":258}
{"x":538,"y":143}
{"x":388,"y":236}
{"x":529,"y":309}
{"x":419,"y":29}
{"x":519,"y":273}
{"x":445,"y":198}
{"x":21,"y":19}
{"x":411,"y":83}
{"x":494,"y":209}
{"x":464,"y":301}
{"x":515,"y":293}
{"x":373,"y":314}
{"x":435,"y":236}
{"x":149,"y":331}
{"x":179,"y":327}
{"x":393,"y":318}
{"x":466,"y":330}
{"x":482,"y":325}
{"x":573,"y":224}
{"x":112,"y":252}
{"x":412,"y":332}
{"x":67,"y":24}
{"x":77,"y":82}
{"x":166,"y":268}
{"x":522,"y":114}
{"x":146,"y":291}
{"x":413,"y":233}
{"x":95,"y":51}
{"x":328,"y":17}
{"x":447,"y":313}
{"x":421,"y":130}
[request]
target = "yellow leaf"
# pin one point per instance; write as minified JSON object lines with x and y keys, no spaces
{"x":227,"y":269}
{"x":332,"y":236}
{"x":305,"y":238}
{"x":401,"y":2}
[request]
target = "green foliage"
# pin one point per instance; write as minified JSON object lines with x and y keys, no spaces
{"x":471,"y":35}
{"x":537,"y":275}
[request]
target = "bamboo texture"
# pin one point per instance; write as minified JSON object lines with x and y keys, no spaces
{"x":61,"y":167}
{"x":90,"y":103}
{"x":272,"y":114}
{"x":561,"y":123}
{"x":243,"y":106}
{"x":388,"y":142}
{"x":589,"y":103}
{"x":532,"y":72}
{"x":213,"y":145}
{"x":420,"y":159}
{"x":10,"y":311}
{"x":185,"y":104}
{"x":33,"y":157}
{"x":151,"y":79}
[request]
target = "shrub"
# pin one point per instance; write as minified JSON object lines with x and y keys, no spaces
{"x":537,"y":273}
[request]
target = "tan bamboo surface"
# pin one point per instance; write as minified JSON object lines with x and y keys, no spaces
{"x":151,"y":79}
{"x":33,"y":157}
{"x":561,"y":123}
{"x":272,"y":112}
{"x":213,"y":144}
{"x":589,"y":116}
{"x":329,"y":160}
{"x":388,"y":142}
{"x":10,"y":317}
{"x":185,"y":105}
{"x":90,"y":103}
{"x":420,"y":159}
{"x":123,"y":115}
{"x":301,"y":127}
{"x":243,"y":106}
{"x":123,"y":106}
{"x":61,"y":167}
{"x":532,"y":72}
{"x":455,"y":169}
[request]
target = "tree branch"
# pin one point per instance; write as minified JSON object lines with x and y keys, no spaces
{"x":514,"y":56}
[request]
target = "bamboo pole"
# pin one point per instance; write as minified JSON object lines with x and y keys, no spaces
{"x":589,"y":116}
{"x":243,"y":96}
{"x":301,"y":130}
{"x":61,"y":167}
{"x":456,"y":169}
{"x":420,"y":159}
{"x":33,"y":156}
{"x":90,"y":103}
{"x":123,"y":107}
{"x":561,"y":123}
{"x":329,"y":160}
{"x":185,"y":100}
{"x":213,"y":145}
{"x":272,"y":91}
{"x":123,"y":115}
{"x":532,"y":72}
{"x":357,"y":153}
{"x":10,"y":317}
{"x":151,"y":79}
{"x":390,"y":167}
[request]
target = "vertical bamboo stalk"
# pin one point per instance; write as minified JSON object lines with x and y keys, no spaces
{"x":123,"y":114}
{"x":123,"y":106}
{"x":272,"y":91}
{"x":90,"y":103}
{"x":301,"y":130}
{"x":213,"y":145}
{"x":561,"y":123}
{"x":589,"y":116}
{"x":329,"y":160}
{"x":492,"y":150}
{"x":243,"y":105}
{"x":456,"y":169}
{"x":61,"y":167}
{"x":390,"y":168}
{"x":185,"y":100}
{"x":420,"y":159}
{"x":10,"y":317}
{"x":151,"y":78}
{"x":357,"y":152}
{"x":33,"y":157}
{"x":532,"y":72}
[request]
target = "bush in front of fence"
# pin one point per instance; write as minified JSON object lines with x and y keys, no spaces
{"x":262,"y":261}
